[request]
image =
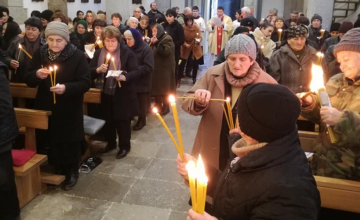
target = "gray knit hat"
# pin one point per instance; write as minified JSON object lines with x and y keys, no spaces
{"x":241,"y":43}
{"x":57,"y":28}
{"x":349,"y":42}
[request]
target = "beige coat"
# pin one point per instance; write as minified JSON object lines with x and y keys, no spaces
{"x":207,"y":139}
{"x":195,"y":48}
{"x":269,"y":45}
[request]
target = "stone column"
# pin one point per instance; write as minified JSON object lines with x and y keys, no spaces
{"x":322,"y":7}
{"x":58,"y":5}
{"x":16,"y":10}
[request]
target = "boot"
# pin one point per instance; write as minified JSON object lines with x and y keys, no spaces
{"x":140,"y":124}
{"x":71,"y":177}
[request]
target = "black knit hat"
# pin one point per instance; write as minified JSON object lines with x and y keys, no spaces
{"x":34,"y":22}
{"x":335,"y":26}
{"x":247,"y":22}
{"x":357,"y":23}
{"x":99,"y":22}
{"x":267,"y":112}
{"x":316,"y":16}
{"x":46,"y":14}
{"x":171,"y":12}
{"x":345,"y":27}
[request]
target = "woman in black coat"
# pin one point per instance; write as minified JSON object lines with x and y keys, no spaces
{"x":145,"y":58}
{"x":176,"y":31}
{"x":119,"y":101}
{"x":66,"y":127}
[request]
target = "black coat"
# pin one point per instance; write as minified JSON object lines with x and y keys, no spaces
{"x":314,"y":33}
{"x":176,"y":32}
{"x":66,"y":122}
{"x":8,"y":125}
{"x":273,"y":182}
{"x":125,"y":103}
{"x":151,"y":16}
{"x":145,"y":60}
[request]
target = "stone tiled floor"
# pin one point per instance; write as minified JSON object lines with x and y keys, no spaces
{"x":144,"y":185}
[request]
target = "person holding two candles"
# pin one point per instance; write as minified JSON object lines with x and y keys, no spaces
{"x":118,"y":99}
{"x":221,"y":81}
{"x":30,"y":43}
{"x":342,"y":158}
{"x":268,"y":176}
{"x":316,"y":33}
{"x":65,"y":135}
{"x":191,"y":48}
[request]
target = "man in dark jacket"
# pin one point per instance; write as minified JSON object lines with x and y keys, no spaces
{"x":9,"y":203}
{"x":270,"y":177}
{"x":153,"y":11}
{"x":315,"y":31}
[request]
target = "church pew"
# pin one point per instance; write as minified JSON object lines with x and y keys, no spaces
{"x":29,"y":180}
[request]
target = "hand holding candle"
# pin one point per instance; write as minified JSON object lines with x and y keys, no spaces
{"x":108,"y":56}
{"x":114,"y":66}
{"x":280,"y":32}
{"x":322,"y":32}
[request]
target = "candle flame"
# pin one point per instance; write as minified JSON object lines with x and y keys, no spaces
{"x":98,"y":37}
{"x":190,"y":166}
{"x":279,"y":30}
{"x":99,"y":41}
{"x":20,"y":46}
{"x":322,"y":30}
{"x":55,"y":67}
{"x":172,"y":98}
{"x":108,"y":56}
{"x":228,"y":99}
{"x":155,"y":110}
{"x":200,"y":168}
{"x":51,"y":69}
{"x":262,"y":46}
{"x":317,"y":80}
{"x":112,"y":59}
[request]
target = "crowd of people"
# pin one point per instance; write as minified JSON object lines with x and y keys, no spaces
{"x":264,"y":66}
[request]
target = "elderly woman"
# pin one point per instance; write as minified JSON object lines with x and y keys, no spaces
{"x":145,"y":60}
{"x":221,"y":81}
{"x":30,"y":42}
{"x":118,"y":100}
{"x":340,"y":159}
{"x":64,"y":100}
{"x":191,"y":48}
{"x":132,"y":22}
{"x":163,"y":80}
{"x":58,"y":16}
{"x":262,"y":36}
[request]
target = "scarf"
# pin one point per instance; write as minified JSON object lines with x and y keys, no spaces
{"x":31,"y":47}
{"x":251,"y":75}
{"x":47,"y":55}
{"x":240,"y":148}
{"x":110,"y":83}
{"x":137,"y":38}
{"x":84,"y":35}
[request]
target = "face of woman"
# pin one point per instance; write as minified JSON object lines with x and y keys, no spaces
{"x":32,"y":33}
{"x":239,"y":64}
{"x":237,"y":16}
{"x":154,"y":31}
{"x":189,"y":23}
{"x":170,"y":19}
{"x":89,"y":17}
{"x":349,"y":63}
{"x":279,"y":24}
{"x":98,"y":30}
{"x":111,"y":44}
{"x":143,"y":24}
{"x":56,"y":43}
{"x":81,"y":15}
{"x":44,"y":22}
{"x":133,"y":24}
{"x":130,"y":41}
{"x":267,"y":31}
{"x":80,"y":29}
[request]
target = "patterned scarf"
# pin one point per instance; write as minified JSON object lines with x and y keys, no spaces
{"x":48,"y":55}
{"x":239,"y":82}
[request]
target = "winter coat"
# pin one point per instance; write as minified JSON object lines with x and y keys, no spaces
{"x":195,"y":48}
{"x":271,"y":182}
{"x":341,"y":159}
{"x":145,"y":61}
{"x":314,"y":33}
{"x":125,"y":103}
{"x":151,"y":16}
{"x":207,"y":141}
{"x":12,"y":54}
{"x":176,"y":32}
{"x":142,"y":31}
{"x":329,"y":42}
{"x":66,"y":123}
{"x":269,"y":45}
{"x":8,"y":125}
{"x":163,"y":80}
{"x":289,"y":71}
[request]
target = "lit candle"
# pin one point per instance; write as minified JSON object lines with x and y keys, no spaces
{"x":190,"y":97}
{"x":201,"y":186}
{"x":322,"y":32}
{"x":169,"y":133}
{"x":146,"y":32}
{"x":107,"y":59}
{"x":191,"y":169}
{"x":18,"y":57}
{"x":262,"y":48}
{"x":279,"y":32}
{"x":55,"y":68}
{"x":197,"y":35}
{"x":176,"y":120}
{"x":100,"y":44}
{"x":21,"y":48}
{"x":226,"y":116}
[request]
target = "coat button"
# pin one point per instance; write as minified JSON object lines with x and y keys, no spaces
{"x":300,"y":68}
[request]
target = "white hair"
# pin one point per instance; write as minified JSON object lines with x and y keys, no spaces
{"x":246,"y":9}
{"x":187,"y":9}
{"x":128,"y":33}
{"x":132,"y":19}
